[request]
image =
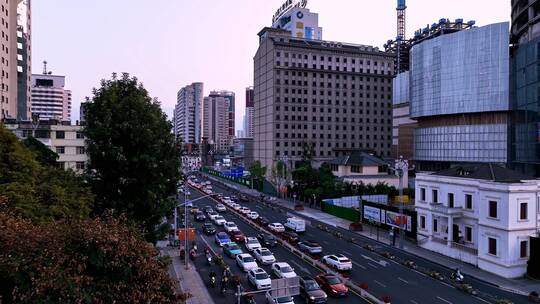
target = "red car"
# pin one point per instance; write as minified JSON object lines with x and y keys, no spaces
{"x":237,"y":236}
{"x":290,"y":237}
{"x":332,"y":285}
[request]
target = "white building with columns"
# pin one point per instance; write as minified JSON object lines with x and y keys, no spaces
{"x":482,"y":214}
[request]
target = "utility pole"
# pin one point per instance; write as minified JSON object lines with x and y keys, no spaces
{"x":186,"y":227}
{"x":401,"y":167}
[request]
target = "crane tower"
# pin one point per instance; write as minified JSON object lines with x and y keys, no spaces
{"x":401,"y":7}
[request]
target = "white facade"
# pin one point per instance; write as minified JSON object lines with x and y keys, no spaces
{"x":218,"y":119}
{"x":301,"y":23}
{"x":49,"y":98}
{"x":478,"y":221}
{"x":188,"y":113}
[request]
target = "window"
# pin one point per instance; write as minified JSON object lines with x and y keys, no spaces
{"x":468,"y":234}
{"x":60,"y":134}
{"x":435,"y":194}
{"x":468,"y":201}
{"x":523,"y":249}
{"x":523,"y":211}
{"x":81,"y":150}
{"x":423,"y":194}
{"x":334,"y":168}
{"x":451,"y":200}
{"x":43,"y":134}
{"x":60,"y":150}
{"x":80,"y":134}
{"x":79,"y":165}
{"x":492,"y":246}
{"x":356,"y":169}
{"x":435,"y":225}
{"x":493,"y":209}
{"x":422,"y":222}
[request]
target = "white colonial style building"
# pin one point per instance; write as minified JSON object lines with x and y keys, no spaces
{"x":482,"y":214}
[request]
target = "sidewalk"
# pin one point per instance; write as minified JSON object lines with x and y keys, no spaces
{"x":189,"y":280}
{"x":521,"y":286}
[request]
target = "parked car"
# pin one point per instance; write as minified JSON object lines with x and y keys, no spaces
{"x":278,"y":300}
{"x":263,"y":221}
{"x":276,"y":227}
{"x":332,"y":285}
{"x":311,"y":291}
{"x":283,"y":270}
{"x":264,"y":256}
{"x":220,"y":208}
{"x":267,"y":240}
{"x":199,"y":216}
{"x":208,"y":228}
{"x":259,"y":278}
{"x":246,"y":262}
{"x":310,"y":247}
{"x":230,"y":226}
{"x":290,"y":237}
{"x":232,"y":249}
{"x":221,"y":239}
{"x":337,"y":261}
{"x":252,"y":243}
{"x":237,"y":236}
{"x":253,"y":215}
{"x":219,"y":220}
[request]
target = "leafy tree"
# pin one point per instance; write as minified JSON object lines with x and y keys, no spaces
{"x":257,"y":171}
{"x":134,"y":164}
{"x":44,"y":155}
{"x":88,"y":261}
{"x":279,"y":174}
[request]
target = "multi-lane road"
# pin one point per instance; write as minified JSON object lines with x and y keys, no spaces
{"x":382,"y":276}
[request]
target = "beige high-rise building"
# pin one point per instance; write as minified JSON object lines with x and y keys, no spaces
{"x":218,"y":119}
{"x":15,"y":58}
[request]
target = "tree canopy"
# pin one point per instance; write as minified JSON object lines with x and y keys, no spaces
{"x":134,"y":164}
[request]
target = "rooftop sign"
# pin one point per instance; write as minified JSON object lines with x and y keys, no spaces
{"x":289,"y":4}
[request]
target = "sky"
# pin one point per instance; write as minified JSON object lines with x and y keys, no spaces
{"x":168,"y":44}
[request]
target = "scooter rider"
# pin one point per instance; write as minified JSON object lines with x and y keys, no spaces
{"x":212,"y":276}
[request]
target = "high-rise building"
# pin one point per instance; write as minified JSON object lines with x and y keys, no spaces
{"x":218,"y":119}
{"x":332,"y":97}
{"x":250,"y":107}
{"x":188,"y":113}
{"x":459,"y":92}
{"x":15,"y":59}
{"x":50,"y":100}
{"x":293,"y":16}
{"x":82,"y":112}
{"x":525,"y":80}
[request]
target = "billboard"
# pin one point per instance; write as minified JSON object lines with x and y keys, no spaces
{"x":394,"y":219}
{"x":372,"y":214}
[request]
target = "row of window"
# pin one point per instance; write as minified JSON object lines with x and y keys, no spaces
{"x":335,"y":68}
{"x":330,"y":127}
{"x":322,"y":152}
{"x":337,"y":102}
{"x":322,"y":76}
{"x":332,"y":59}
{"x":62,"y":150}
{"x":47,"y":134}
{"x":329,"y":93}
{"x":330,"y":85}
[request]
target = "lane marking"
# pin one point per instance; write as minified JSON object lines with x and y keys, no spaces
{"x":379,"y":283}
{"x":380,"y":262}
{"x":304,"y":269}
{"x":372,"y":265}
{"x":326,"y":242}
{"x":444,"y":300}
{"x":403,"y":280}
{"x":347,"y":253}
{"x":414,"y":302}
{"x":358,"y":265}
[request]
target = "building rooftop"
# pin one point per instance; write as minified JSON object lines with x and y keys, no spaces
{"x":358,"y":158}
{"x":485,"y":171}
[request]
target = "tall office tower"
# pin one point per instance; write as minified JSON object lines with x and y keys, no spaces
{"x":459,"y":92}
{"x":82,"y":112}
{"x":188,"y":113}
{"x":250,"y":107}
{"x":218,"y":119}
{"x":293,"y":16}
{"x":15,"y":59}
{"x":525,"y":80}
{"x":50,"y":100}
{"x":331,"y":96}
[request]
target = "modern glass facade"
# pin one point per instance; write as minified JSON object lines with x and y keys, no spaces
{"x":463,"y":72}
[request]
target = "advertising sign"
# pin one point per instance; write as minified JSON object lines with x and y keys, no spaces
{"x":372,"y":214}
{"x":394,"y":219}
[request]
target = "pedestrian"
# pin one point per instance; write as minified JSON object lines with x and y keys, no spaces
{"x":393,"y":236}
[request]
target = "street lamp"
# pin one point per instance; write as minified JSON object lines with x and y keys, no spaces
{"x":401,"y":167}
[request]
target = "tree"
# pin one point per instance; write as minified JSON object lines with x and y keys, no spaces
{"x":44,"y":155}
{"x":279,"y":174}
{"x":257,"y":171}
{"x":134,"y":164}
{"x":87,"y":261}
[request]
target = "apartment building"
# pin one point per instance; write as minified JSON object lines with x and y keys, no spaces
{"x":218,"y":120}
{"x":187,"y":120}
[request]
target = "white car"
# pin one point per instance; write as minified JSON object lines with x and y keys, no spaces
{"x":236,"y":207}
{"x":252,"y":243}
{"x":212,"y":215}
{"x":207,"y":191}
{"x":283,"y":270}
{"x":220,"y":208}
{"x":259,"y":278}
{"x":276,"y":227}
{"x":253,"y":215}
{"x":230,"y":227}
{"x":246,"y":262}
{"x":337,"y":261}
{"x":219,"y":220}
{"x":264,"y":256}
{"x":244,"y":210}
{"x":278,"y":300}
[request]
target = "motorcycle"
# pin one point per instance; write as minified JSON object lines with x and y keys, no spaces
{"x":457,"y":277}
{"x":192,"y":254}
{"x":182,"y":253}
{"x":209,"y":259}
{"x":213,"y":281}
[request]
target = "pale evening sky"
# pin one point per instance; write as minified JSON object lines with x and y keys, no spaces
{"x":168,"y":44}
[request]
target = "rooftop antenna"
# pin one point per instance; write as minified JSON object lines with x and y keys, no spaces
{"x":45,"y":67}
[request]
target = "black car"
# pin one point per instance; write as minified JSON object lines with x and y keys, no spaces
{"x":290,"y":237}
{"x":262,"y":221}
{"x":208,"y":209}
{"x":244,"y":198}
{"x":266,"y":240}
{"x":311,"y":291}
{"x":200,"y":217}
{"x":208,"y":228}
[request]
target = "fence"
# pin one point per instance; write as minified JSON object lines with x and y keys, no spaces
{"x":239,"y":180}
{"x":341,"y":212}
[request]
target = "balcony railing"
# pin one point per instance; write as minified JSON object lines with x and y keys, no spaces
{"x":440,"y":208}
{"x":459,"y":246}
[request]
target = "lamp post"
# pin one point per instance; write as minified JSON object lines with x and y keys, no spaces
{"x":401,"y":167}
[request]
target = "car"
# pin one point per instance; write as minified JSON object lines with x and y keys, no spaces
{"x":278,"y":300}
{"x":188,"y":193}
{"x":246,"y":262}
{"x":276,"y":227}
{"x":244,"y":210}
{"x":332,"y":285}
{"x":337,"y":261}
{"x":234,"y":198}
{"x":237,"y":236}
{"x":262,"y":221}
{"x":208,"y":191}
{"x":311,"y":291}
{"x":194,"y":210}
{"x":283,"y":270}
{"x":253,"y":215}
{"x":264,"y":256}
{"x":212,"y":215}
{"x":208,"y":228}
{"x":244,"y":198}
{"x":310,"y":247}
{"x":199,"y":216}
{"x":252,"y":243}
{"x":208,"y":209}
{"x":236,"y":206}
{"x":221,"y":208}
{"x":219,"y":220}
{"x":266,"y":239}
{"x":259,"y":278}
{"x":222,"y":239}
{"x":232,"y":249}
{"x":290,"y":237}
{"x":230,"y":226}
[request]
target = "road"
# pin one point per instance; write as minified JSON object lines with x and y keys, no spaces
{"x":386,"y":277}
{"x":301,"y":267}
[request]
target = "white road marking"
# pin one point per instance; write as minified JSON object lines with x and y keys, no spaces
{"x":414,"y":302}
{"x":446,"y":301}
{"x":380,"y":262}
{"x":403,"y":280}
{"x":326,"y":243}
{"x":372,"y":265}
{"x":358,"y":265}
{"x":304,"y":269}
{"x":379,"y":283}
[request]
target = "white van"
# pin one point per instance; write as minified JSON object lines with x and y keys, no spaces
{"x":295,"y":224}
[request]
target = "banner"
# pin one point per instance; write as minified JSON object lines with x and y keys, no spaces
{"x":393,"y":219}
{"x":372,"y":214}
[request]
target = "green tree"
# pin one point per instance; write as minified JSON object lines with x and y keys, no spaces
{"x":257,"y":171}
{"x":134,"y":164}
{"x":43,"y":154}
